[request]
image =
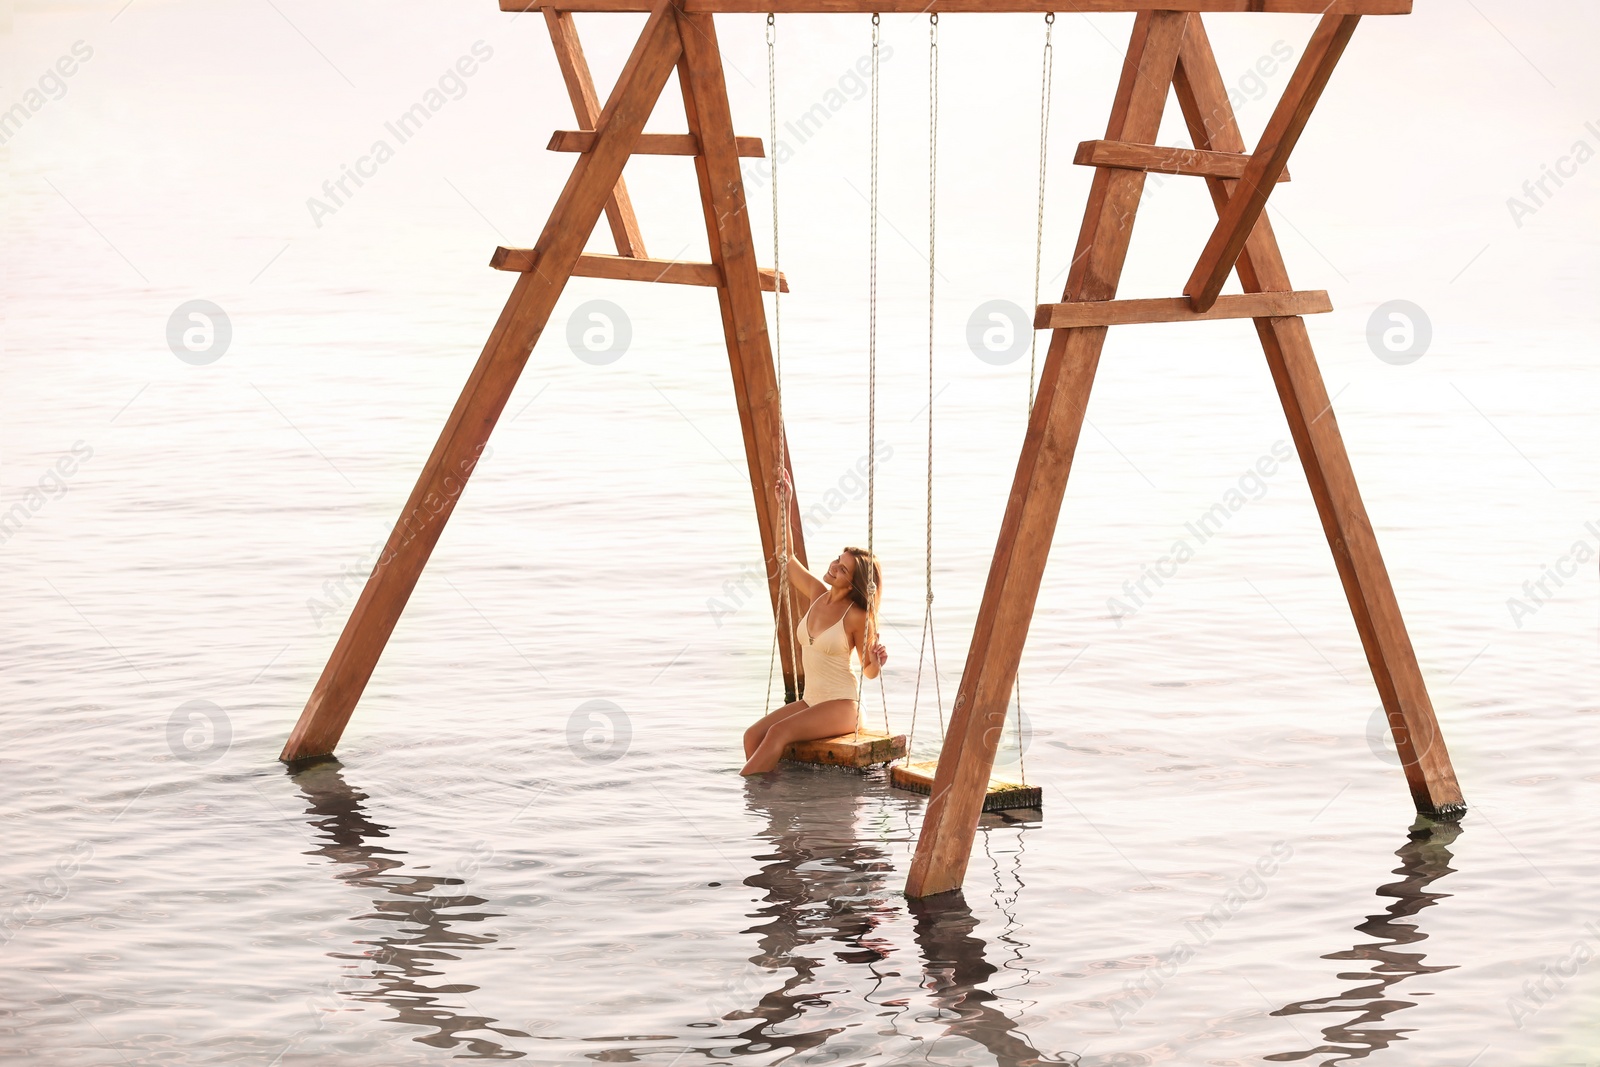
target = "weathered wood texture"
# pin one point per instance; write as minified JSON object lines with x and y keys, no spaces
{"x":1161,"y":160}
{"x":1002,"y":794}
{"x":622,"y":268}
{"x":1178,"y":309}
{"x":651,"y":144}
{"x":864,"y":749}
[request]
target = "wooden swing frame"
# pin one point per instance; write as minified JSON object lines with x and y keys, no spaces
{"x":1169,"y":49}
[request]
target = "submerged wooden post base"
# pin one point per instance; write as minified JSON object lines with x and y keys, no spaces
{"x":859,"y":750}
{"x":1002,"y":794}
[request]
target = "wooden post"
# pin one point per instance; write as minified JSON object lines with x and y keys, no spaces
{"x":1047,"y":452}
{"x":465,"y":433}
{"x":744,"y":316}
{"x":1204,"y":99}
{"x":586,"y":106}
{"x":1243,"y":234}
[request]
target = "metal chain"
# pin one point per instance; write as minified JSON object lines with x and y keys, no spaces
{"x":1046,"y":80}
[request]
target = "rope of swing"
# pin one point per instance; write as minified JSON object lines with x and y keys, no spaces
{"x":1046,"y":80}
{"x":784,"y":621}
{"x":872,"y":393}
{"x":929,"y":643}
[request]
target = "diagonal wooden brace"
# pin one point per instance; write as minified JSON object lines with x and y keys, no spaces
{"x":1203,"y":96}
{"x":1271,"y":157}
{"x":484,"y":396}
{"x":586,"y":105}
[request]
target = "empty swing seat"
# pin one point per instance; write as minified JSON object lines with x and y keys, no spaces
{"x":1002,"y":794}
{"x":865,"y":748}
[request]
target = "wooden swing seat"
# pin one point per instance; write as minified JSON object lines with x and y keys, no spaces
{"x":865,"y":748}
{"x":1002,"y":794}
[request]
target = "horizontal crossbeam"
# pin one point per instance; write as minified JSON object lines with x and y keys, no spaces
{"x":1178,"y":309}
{"x":652,"y":144}
{"x":622,"y":268}
{"x":1126,"y":155}
{"x":980,"y":7}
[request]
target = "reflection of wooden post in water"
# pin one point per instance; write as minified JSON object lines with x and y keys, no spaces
{"x":423,"y":921}
{"x":822,"y":883}
{"x":954,"y":969}
{"x":1424,"y":859}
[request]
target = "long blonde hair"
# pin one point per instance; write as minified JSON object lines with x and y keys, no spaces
{"x":864,"y":576}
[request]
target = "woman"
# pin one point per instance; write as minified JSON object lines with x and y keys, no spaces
{"x":841,"y":620}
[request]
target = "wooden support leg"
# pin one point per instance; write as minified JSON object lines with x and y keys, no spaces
{"x":744,"y":317}
{"x":1204,"y":99}
{"x":586,"y":106}
{"x":483,"y":398}
{"x":978,"y":718}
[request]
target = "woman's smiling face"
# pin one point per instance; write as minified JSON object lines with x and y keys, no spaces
{"x":840,"y":570}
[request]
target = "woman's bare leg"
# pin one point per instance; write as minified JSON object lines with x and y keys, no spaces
{"x":753,"y":736}
{"x":828,"y":719}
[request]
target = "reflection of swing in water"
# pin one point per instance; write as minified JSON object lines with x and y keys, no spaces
{"x":824,"y":881}
{"x":424,"y":923}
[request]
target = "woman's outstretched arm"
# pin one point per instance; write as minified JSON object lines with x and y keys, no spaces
{"x":808,"y":585}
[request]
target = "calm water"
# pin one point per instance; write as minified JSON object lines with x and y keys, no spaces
{"x":536,"y":844}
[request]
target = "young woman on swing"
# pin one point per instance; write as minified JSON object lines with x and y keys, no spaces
{"x":841,"y":623}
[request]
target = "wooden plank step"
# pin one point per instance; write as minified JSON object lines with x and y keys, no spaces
{"x":1271,"y":305}
{"x":625,"y":268}
{"x":653,"y":144}
{"x":866,"y":748}
{"x":1002,"y":795}
{"x":1127,"y":155}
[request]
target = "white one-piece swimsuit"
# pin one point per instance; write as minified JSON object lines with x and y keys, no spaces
{"x":829,"y":661}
